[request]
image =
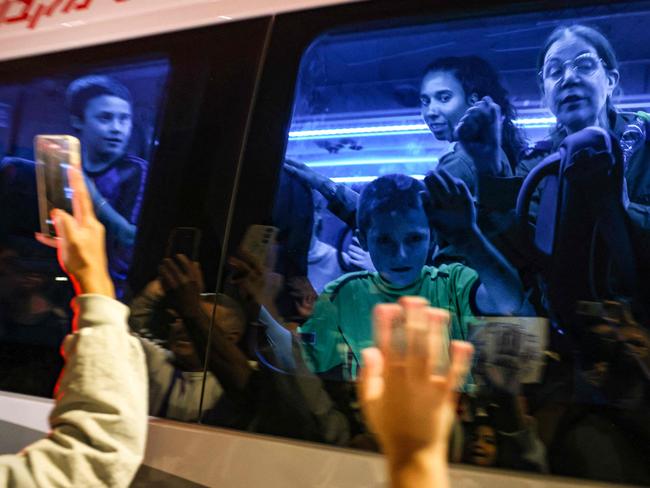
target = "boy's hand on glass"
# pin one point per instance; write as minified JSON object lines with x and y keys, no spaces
{"x":451,"y":207}
{"x":406,"y":402}
{"x":479,"y":132}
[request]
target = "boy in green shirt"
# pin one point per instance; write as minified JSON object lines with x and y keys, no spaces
{"x":395,"y":218}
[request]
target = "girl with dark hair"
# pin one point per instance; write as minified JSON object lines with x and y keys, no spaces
{"x":463,"y":100}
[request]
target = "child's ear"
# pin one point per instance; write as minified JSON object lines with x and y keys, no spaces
{"x":361,"y":236}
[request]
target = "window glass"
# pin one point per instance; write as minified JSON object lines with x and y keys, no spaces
{"x":113,"y":111}
{"x":498,"y":168}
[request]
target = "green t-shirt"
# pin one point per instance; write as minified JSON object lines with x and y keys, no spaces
{"x":341,"y":325}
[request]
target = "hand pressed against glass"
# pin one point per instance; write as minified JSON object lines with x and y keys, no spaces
{"x":408,"y":406}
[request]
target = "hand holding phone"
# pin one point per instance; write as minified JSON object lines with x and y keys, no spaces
{"x":186,"y":241}
{"x":258,"y":244}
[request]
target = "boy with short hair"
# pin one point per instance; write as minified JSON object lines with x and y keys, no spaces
{"x":395,"y":218}
{"x":101,"y":111}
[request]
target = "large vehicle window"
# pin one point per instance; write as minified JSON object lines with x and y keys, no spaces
{"x":160,"y":146}
{"x":113,"y":111}
{"x":497,"y":167}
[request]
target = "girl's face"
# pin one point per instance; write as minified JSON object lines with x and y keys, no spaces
{"x":576,"y":83}
{"x":443,"y":103}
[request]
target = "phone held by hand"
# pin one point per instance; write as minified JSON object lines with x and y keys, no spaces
{"x":184,"y":240}
{"x":55,"y":156}
{"x":258,"y":243}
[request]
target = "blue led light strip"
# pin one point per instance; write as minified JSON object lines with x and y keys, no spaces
{"x":349,"y":131}
{"x":391,"y":130}
{"x":371,"y":162}
{"x":365,"y":179}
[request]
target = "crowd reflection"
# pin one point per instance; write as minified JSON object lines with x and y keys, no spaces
{"x":538,"y":252}
{"x":560,"y":381}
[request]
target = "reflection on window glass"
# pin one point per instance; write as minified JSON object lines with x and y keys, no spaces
{"x":497,"y":168}
{"x":113,"y":111}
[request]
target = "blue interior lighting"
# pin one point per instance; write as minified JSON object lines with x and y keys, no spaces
{"x":371,"y":161}
{"x":398,"y":129}
{"x":365,"y":179}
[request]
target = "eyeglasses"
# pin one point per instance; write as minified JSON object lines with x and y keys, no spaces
{"x":584,"y":65}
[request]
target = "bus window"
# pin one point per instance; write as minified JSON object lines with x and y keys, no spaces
{"x":406,"y":147}
{"x":113,"y":110}
{"x":161,"y":134}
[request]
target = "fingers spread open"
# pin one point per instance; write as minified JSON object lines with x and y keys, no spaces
{"x":387,"y":317}
{"x":418,"y":349}
{"x":461,"y":355}
{"x":370,"y":385}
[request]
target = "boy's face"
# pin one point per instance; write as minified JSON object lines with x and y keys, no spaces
{"x":483,"y":446}
{"x":398,"y":243}
{"x":106,"y":128}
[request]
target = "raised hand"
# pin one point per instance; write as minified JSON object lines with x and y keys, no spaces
{"x":255,"y":282}
{"x":307,"y":175}
{"x":81,"y":248}
{"x":407,"y":403}
{"x":182,"y":283}
{"x":357,"y":256}
{"x":451,"y":207}
{"x":479,"y":133}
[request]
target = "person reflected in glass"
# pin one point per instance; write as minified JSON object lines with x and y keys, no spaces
{"x":603,"y":434}
{"x":101,"y":112}
{"x":174,"y":365}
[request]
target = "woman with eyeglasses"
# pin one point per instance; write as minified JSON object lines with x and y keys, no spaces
{"x":578,"y":75}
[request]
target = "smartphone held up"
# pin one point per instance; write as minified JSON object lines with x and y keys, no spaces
{"x":55,"y":155}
